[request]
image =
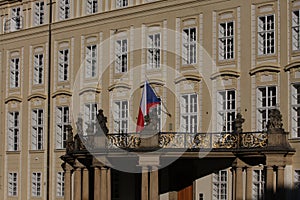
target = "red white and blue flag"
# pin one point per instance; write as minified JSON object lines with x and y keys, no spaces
{"x":149,"y":100}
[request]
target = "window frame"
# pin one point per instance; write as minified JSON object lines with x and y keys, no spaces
{"x":295,"y":110}
{"x":36,"y":184}
{"x":61,"y":125}
{"x":122,"y":3}
{"x":93,"y":8}
{"x":91,"y":63}
{"x":37,"y":125}
{"x":39,"y":13}
{"x":13,"y":131}
{"x":90,"y":116}
{"x":121,"y":53}
{"x":63,"y":64}
{"x":260,"y":107}
{"x":121,"y":116}
{"x":188,"y":45}
{"x":260,"y":182}
{"x":12,"y":182}
{"x":16,"y":18}
{"x":64,"y":9}
{"x":60,"y":184}
{"x":224,"y":40}
{"x":218,"y":181}
{"x":153,"y":49}
{"x":38,"y":69}
{"x":226,"y":110}
{"x":189,"y":121}
{"x":262,"y":32}
{"x":15,"y":65}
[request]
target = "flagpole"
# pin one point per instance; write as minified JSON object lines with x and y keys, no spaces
{"x":166,"y":112}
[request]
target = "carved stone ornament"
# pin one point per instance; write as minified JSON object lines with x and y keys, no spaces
{"x":238,"y":123}
{"x":275,"y":120}
{"x":69,"y":142}
{"x":102,"y":120}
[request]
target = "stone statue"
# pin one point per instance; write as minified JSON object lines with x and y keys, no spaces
{"x":275,"y":120}
{"x":238,"y":123}
{"x":102,"y":120}
{"x":79,"y":126}
{"x":69,"y":141}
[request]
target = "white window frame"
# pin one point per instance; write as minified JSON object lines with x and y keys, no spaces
{"x":90,"y":116}
{"x":63,"y":64}
{"x":220,"y":183}
{"x":189,"y":46}
{"x":64,"y":9}
{"x":121,"y":52}
{"x":91,"y":61}
{"x":13,"y":131}
{"x":91,"y":6}
{"x":153,"y":50}
{"x":266,"y":35}
{"x":62,"y":120}
{"x":226,"y":40}
{"x":14,"y":72}
{"x":121,"y":3}
{"x":263,"y":110}
{"x":258,"y":184}
{"x":226,"y":108}
{"x":12,"y":189}
{"x":121,"y":114}
{"x":37,"y":126}
{"x":60,"y":184}
{"x":38,"y":69}
{"x":36,"y":179}
{"x":296,"y":30}
{"x":295,"y":110}
{"x":189,"y":113}
{"x":39,"y":13}
{"x":16,"y":19}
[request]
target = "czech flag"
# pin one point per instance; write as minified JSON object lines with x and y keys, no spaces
{"x":149,"y":100}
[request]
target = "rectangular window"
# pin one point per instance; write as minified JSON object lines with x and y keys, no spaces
{"x":189,"y":46}
{"x":297,"y":180}
{"x":226,"y":40}
{"x":13,"y":131}
{"x":36,"y":184}
{"x":295,"y":110}
{"x":226,"y":110}
{"x":16,"y":19}
{"x":258,"y":187}
{"x":220,"y":190}
{"x":91,"y":61}
{"x":153,"y":51}
{"x":201,"y":196}
{"x":295,"y":30}
{"x":63,"y":65}
{"x":14,"y":72}
{"x":60,"y":187}
{"x":121,"y":56}
{"x":266,"y":101}
{"x":62,"y":120}
{"x":64,"y":10}
{"x":39,"y":13}
{"x":120,"y":116}
{"x":38,"y":69}
{"x":37,"y":129}
{"x":91,"y":6}
{"x":121,"y":3}
{"x":266,"y":35}
{"x":90,"y":118}
{"x":12,"y":184}
{"x":189,"y":110}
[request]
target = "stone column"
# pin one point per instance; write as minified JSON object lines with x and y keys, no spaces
{"x":154,"y":184}
{"x":68,"y":186}
{"x":108,"y":186}
{"x":269,"y":182}
{"x":103,"y":184}
{"x":97,"y":183}
{"x":239,"y":184}
{"x":77,"y":184}
{"x":280,"y":183}
{"x":233,"y":182}
{"x":145,"y":186}
{"x":249,"y":183}
{"x":85,"y":184}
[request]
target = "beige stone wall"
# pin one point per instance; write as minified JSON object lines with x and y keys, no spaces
{"x":245,"y":72}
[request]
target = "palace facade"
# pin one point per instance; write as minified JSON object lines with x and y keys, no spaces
{"x":223,"y":70}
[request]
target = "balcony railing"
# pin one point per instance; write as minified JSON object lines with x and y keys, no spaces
{"x":13,"y":24}
{"x":171,"y":140}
